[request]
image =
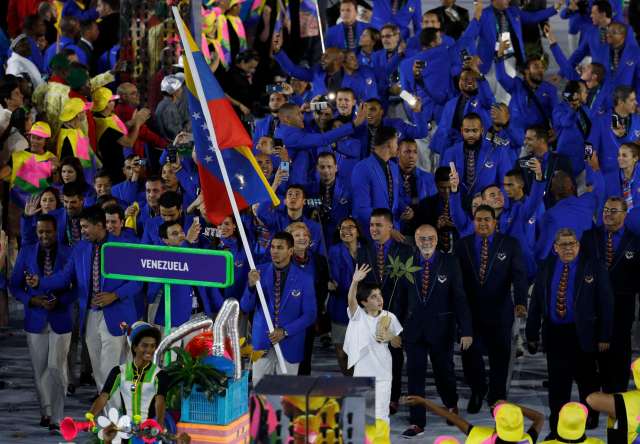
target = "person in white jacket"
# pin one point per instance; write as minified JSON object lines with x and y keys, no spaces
{"x":19,"y":65}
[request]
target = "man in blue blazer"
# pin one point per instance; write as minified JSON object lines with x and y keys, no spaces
{"x":478,"y":161}
{"x":277,"y":219}
{"x":619,"y":250}
{"x":377,"y":179}
{"x":573,"y":300}
{"x":475,"y":97}
{"x":500,"y":18}
{"x":115,"y":224}
{"x":432,"y":311}
{"x":104,"y":303}
{"x":170,"y":208}
{"x":398,"y":12}
{"x":332,"y":194}
{"x":491,"y":264}
{"x":47,"y":317}
{"x":346,"y":34}
{"x":68,"y":227}
{"x":301,"y":143}
{"x":290,"y":295}
{"x":266,"y":126}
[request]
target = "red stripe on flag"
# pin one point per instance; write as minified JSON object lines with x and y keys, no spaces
{"x":229,"y":130}
{"x":216,"y":199}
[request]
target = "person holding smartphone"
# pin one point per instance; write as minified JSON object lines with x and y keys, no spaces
{"x":47,"y":317}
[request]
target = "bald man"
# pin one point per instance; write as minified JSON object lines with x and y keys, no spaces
{"x":434,"y":308}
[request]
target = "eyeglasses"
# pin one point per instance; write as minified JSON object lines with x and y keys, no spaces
{"x":566,"y":244}
{"x":607,"y":210}
{"x":387,"y":36}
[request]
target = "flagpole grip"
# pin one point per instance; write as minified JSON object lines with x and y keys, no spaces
{"x":225,"y":176}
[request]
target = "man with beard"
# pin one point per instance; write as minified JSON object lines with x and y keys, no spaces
{"x":475,"y":159}
{"x":475,"y":97}
{"x":532,"y":98}
{"x":266,"y":126}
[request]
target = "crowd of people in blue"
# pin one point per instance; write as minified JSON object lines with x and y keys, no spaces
{"x":439,"y":135}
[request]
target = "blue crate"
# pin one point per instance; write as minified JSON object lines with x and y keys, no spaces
{"x":196,"y":408}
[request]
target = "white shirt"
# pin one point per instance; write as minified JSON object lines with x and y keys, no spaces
{"x":18,"y":65}
{"x":370,"y":357}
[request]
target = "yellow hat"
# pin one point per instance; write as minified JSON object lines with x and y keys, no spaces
{"x":101,"y":97}
{"x":509,"y":422}
{"x":41,"y":129}
{"x":446,"y":439}
{"x":72,"y":108}
{"x":635,"y":369}
{"x":572,"y":420}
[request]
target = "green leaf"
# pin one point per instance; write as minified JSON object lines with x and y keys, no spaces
{"x":413,"y":269}
{"x":410,"y":278}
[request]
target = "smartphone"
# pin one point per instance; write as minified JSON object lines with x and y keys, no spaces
{"x":452,"y":167}
{"x":408,"y":97}
{"x":318,"y":106}
{"x":588,"y":151}
{"x":196,"y":220}
{"x":466,"y":57}
{"x":284,"y":166}
{"x":141,"y":162}
{"x":523,"y":163}
{"x":274,"y":89}
{"x":615,"y":121}
{"x":51,"y":298}
{"x":172,"y":154}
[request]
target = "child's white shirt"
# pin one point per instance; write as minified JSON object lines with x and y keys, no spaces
{"x":370,"y":357}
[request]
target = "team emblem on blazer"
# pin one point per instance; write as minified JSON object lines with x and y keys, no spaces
{"x":532,"y":220}
{"x":295,"y":293}
{"x":502,"y":256}
{"x":442,"y":278}
{"x":588,"y":279}
{"x":411,"y":9}
{"x":629,"y":254}
{"x":238,"y":264}
{"x":344,"y":201}
{"x":630,"y":62}
{"x":369,"y":81}
{"x":637,"y":132}
{"x":489,"y":164}
{"x":474,"y":103}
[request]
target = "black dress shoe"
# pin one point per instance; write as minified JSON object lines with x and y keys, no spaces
{"x":54,"y":429}
{"x":475,"y":403}
{"x":393,"y":408}
{"x":86,"y":379}
{"x":592,"y":421}
{"x":71,"y":390}
{"x":45,"y":421}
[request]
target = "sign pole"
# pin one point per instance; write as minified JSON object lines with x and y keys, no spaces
{"x":167,"y":318}
{"x":227,"y":183}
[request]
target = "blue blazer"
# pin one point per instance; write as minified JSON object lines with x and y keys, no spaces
{"x":151,"y":233}
{"x":492,"y":303}
{"x":341,"y":268}
{"x":492,"y":163}
{"x":434,"y":319}
{"x":336,"y":35}
{"x":370,"y":181}
{"x":340,"y":205}
{"x":35,"y":319}
{"x":62,"y":44}
{"x":240,"y":269}
{"x":181,"y":302}
{"x":77,"y":271}
{"x":592,"y":303}
{"x":28,"y":227}
{"x":277,"y":219}
{"x":297,"y":310}
{"x":129,"y":192}
{"x":488,"y":30}
{"x":261,"y":128}
{"x":426,"y":186}
{"x":302,"y":145}
{"x":607,"y":143}
{"x":403,"y":129}
{"x":411,"y":12}
{"x":446,"y":135}
{"x":571,"y":139}
{"x":522,"y":107}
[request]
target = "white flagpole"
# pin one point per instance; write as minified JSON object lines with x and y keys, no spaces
{"x":320,"y":25}
{"x":225,"y":176}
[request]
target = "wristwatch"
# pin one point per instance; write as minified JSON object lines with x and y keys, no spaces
{"x":285,"y":333}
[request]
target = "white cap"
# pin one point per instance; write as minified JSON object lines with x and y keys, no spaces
{"x":170,"y":84}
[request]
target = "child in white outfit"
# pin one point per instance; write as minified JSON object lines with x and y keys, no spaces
{"x":369,"y":333}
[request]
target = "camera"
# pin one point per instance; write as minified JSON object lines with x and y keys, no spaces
{"x":140,"y":162}
{"x":466,"y":57}
{"x":274,"y":89}
{"x":277,"y":142}
{"x":588,"y":151}
{"x":318,"y":106}
{"x":172,"y":154}
{"x":524,"y":163}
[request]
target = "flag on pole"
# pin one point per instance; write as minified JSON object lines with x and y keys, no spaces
{"x":248,"y":183}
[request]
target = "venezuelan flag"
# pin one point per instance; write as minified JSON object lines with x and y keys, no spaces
{"x":247,"y":181}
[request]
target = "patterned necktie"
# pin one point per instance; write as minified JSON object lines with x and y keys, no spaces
{"x":389,"y":185}
{"x":75,"y":231}
{"x":425,"y":279}
{"x":351,"y":37}
{"x":277,"y":284}
{"x":446,"y":236}
{"x":626,"y":193}
{"x":603,"y":35}
{"x":380,"y":260}
{"x":503,"y":23}
{"x":609,"y":249}
{"x":406,"y":183}
{"x":615,"y":60}
{"x":48,"y":263}
{"x":561,"y":295}
{"x":95,"y":274}
{"x":484,"y":260}
{"x":327,"y":197}
{"x":470,"y":167}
